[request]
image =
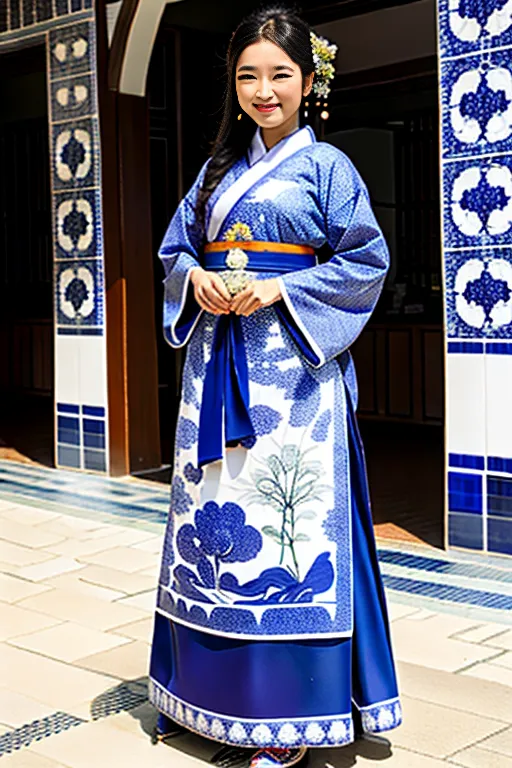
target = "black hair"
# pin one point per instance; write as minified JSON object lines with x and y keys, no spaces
{"x":283,"y":27}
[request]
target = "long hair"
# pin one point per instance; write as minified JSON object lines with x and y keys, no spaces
{"x":278,"y":25}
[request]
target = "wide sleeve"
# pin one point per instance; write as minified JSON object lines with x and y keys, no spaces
{"x":327,"y":306}
{"x":180,"y":253}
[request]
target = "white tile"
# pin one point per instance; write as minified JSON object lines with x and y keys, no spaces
{"x":476,"y":757}
{"x":93,"y":370}
{"x":51,"y":568}
{"x":26,"y":758}
{"x":17,"y":710}
{"x":481,"y":633}
{"x":491,"y":672}
{"x":98,"y":744}
{"x":89,"y":611}
{"x":501,"y":640}
{"x":122,"y":559}
{"x":27,"y":535}
{"x":51,"y":682}
{"x":67,"y":369}
{"x":413,"y":643}
{"x":145,"y":601}
{"x":499,"y":404}
{"x":26,"y":515}
{"x":12,"y":588}
{"x":73,"y":582}
{"x":465,"y":406}
{"x":19,"y":556}
{"x":69,"y":642}
{"x":16,"y":620}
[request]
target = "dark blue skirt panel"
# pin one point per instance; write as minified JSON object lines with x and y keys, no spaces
{"x":267,"y":680}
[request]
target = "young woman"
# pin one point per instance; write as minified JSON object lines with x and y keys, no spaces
{"x":271,"y":630}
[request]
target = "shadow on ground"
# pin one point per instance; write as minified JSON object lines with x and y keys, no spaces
{"x":131,"y":697}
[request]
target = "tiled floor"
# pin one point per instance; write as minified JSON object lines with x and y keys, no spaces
{"x":405,"y":466}
{"x":79,"y":557}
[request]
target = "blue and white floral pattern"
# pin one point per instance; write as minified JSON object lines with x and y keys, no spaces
{"x":251,"y":554}
{"x":327,"y":731}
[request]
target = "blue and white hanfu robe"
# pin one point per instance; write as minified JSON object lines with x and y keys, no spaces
{"x":271,"y":624}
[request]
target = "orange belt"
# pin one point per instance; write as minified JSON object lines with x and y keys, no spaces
{"x":257,"y":245}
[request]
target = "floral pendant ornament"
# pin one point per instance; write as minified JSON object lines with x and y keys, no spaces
{"x":236,"y":279}
{"x":324,"y":54}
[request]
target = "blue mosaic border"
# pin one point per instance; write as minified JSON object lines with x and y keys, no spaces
{"x":475,"y":74}
{"x":81,"y":437}
{"x":480,"y":502}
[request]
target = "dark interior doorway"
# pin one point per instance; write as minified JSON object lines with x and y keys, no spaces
{"x":386,"y":120}
{"x":26,"y":313}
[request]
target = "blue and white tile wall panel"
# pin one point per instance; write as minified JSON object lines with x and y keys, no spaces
{"x":72,"y":50}
{"x":475,"y":47}
{"x":73,"y":97}
{"x":478,"y":202}
{"x":77,"y":225}
{"x":466,"y":27}
{"x":75,"y":161}
{"x":479,"y":293}
{"x":79,"y":296}
{"x":68,"y":29}
{"x":477,"y":104}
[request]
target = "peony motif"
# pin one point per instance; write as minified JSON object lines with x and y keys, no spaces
{"x":237,"y":259}
{"x":202,"y":723}
{"x":338,"y":732}
{"x":237,"y":733}
{"x":217,"y":730}
{"x":315,"y":733}
{"x":261,"y":734}
{"x":239,"y":231}
{"x":288,"y":734}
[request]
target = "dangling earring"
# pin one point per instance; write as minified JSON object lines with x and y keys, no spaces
{"x":306,"y":105}
{"x":239,"y":116}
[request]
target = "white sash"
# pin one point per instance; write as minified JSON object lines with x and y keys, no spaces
{"x":268,"y":162}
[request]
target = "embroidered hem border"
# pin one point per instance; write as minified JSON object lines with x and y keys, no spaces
{"x":334,"y":730}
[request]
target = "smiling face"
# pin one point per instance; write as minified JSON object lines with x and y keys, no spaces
{"x":270,"y":87}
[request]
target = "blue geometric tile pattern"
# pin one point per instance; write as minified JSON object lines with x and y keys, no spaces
{"x":73,"y":97}
{"x":479,"y":293}
{"x":466,"y":26}
{"x":81,"y":441}
{"x":477,"y":104}
{"x":475,"y":51}
{"x":79,"y":293}
{"x":72,"y":50}
{"x":465,"y":531}
{"x":464,"y":492}
{"x":77,"y":224}
{"x":76,"y":164}
{"x":478,"y":202}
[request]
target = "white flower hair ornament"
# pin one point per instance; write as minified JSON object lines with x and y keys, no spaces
{"x":324,"y":54}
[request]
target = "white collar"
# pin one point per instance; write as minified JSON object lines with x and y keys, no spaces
{"x":257,"y":148}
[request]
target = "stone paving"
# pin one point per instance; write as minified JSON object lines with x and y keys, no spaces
{"x":77,"y":588}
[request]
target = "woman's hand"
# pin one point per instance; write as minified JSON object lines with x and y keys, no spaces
{"x":259,"y":293}
{"x":210,"y":292}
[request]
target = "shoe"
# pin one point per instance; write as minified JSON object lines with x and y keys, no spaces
{"x":167,"y":728}
{"x":280,"y":758}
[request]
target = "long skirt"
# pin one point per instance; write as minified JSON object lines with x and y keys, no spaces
{"x":258,"y":693}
